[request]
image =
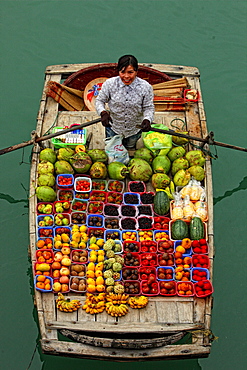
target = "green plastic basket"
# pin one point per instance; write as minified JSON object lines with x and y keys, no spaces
{"x":67,"y":140}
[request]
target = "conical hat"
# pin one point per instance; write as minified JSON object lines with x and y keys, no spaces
{"x":91,"y":92}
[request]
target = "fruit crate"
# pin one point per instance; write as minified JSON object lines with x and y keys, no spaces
{"x":167,"y":271}
{"x":65,"y":178}
{"x":70,"y":139}
{"x":42,"y":205}
{"x":79,"y":180}
{"x":96,"y":220}
{"x":132,"y":199}
{"x":136,"y":187}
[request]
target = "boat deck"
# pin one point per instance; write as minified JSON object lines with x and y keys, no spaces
{"x":141,"y":334}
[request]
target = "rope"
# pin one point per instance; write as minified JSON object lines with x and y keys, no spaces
{"x":49,"y":129}
{"x":207,"y":333}
{"x":205,"y":151}
{"x":30,"y":363}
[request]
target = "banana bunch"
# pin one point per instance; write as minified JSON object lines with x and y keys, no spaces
{"x":65,"y":305}
{"x":119,"y":298}
{"x":115,"y":309}
{"x":94,"y":303}
{"x":116,"y":304}
{"x":138,"y":302}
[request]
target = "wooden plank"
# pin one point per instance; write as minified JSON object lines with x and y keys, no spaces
{"x":49,"y":309}
{"x":166,"y":68}
{"x":51,"y":109}
{"x":199,"y":310}
{"x":144,"y":327}
{"x":85,"y":351}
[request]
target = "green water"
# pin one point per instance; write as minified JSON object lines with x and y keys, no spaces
{"x":210,"y":35}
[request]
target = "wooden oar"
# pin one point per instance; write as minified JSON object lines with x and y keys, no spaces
{"x":47,"y":137}
{"x":208,"y":140}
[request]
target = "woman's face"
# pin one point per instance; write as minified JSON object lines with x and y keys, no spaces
{"x":127,"y":75}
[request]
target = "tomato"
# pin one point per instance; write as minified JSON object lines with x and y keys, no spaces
{"x":145,"y":289}
{"x":144,"y":276}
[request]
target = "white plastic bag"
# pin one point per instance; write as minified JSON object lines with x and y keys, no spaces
{"x":115,"y":150}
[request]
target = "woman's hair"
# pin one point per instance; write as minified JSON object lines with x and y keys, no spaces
{"x":127,"y":60}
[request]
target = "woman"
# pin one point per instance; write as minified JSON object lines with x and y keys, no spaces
{"x":130,"y":102}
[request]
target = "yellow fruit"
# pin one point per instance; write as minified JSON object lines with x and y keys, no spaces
{"x":80,"y":148}
{"x":90,"y":281}
{"x":100,"y":242}
{"x":82,"y":245}
{"x":91,"y":288}
{"x":76,"y":236}
{"x":94,"y":246}
{"x":99,"y":280}
{"x":57,"y":238}
{"x":58,"y":244}
{"x":83,"y":228}
{"x":100,"y":288}
{"x":90,"y":274}
{"x":91,"y":266}
{"x":101,"y":253}
{"x":99,"y":266}
{"x":92,"y":258}
{"x":74,"y":244}
{"x":98,"y":273}
{"x":101,"y":258}
{"x":65,"y":238}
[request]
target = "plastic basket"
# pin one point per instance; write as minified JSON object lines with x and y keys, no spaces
{"x":68,"y":139}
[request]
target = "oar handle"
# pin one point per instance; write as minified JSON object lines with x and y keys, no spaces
{"x":208,"y":140}
{"x":36,"y":139}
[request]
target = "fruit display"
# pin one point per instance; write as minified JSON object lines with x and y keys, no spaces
{"x":62,"y":207}
{"x":137,"y":186}
{"x":65,"y":180}
{"x":165,"y":273}
{"x":67,"y":305}
{"x":65,"y":195}
{"x":167,"y":288}
{"x":112,"y":240}
{"x":44,"y":243}
{"x":138,"y":302}
{"x":43,"y":283}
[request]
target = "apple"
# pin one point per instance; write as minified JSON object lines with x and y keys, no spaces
{"x":56,"y":273}
{"x":41,"y":207}
{"x":64,"y":288}
{"x":64,"y":279}
{"x":58,"y":256}
{"x":57,"y":286}
{"x":56,"y":265}
{"x":64,"y":271}
{"x":66,"y":261}
{"x":65,"y":221}
{"x":65,"y":250}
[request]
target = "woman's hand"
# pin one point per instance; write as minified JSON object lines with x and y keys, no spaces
{"x":105,"y":119}
{"x":145,"y":126}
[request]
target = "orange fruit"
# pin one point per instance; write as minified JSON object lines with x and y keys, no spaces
{"x":48,"y":286}
{"x":40,"y":285}
{"x":40,"y":244}
{"x":41,"y":278}
{"x":91,"y":288}
{"x":180,"y":249}
{"x":177,"y":255}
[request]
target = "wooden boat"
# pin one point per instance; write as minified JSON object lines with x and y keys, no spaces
{"x":168,"y":327}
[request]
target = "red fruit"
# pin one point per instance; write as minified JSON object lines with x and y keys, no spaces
{"x":144,"y":276}
{"x":207,"y":286}
{"x":203,"y":242}
{"x":197,"y":250}
{"x":195,"y":243}
{"x":145,"y":290}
